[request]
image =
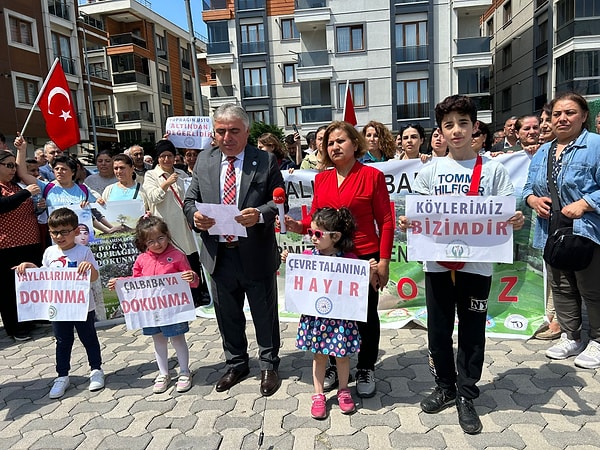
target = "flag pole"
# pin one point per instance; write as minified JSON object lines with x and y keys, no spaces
{"x":41,"y":91}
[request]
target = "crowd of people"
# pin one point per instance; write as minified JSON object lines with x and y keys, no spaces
{"x":350,"y":217}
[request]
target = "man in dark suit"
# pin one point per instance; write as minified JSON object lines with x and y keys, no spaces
{"x":240,"y":266}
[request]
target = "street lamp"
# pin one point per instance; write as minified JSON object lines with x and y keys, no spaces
{"x":81,"y":19}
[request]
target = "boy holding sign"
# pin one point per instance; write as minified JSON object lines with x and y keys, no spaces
{"x":458,"y":288}
{"x":64,"y":228}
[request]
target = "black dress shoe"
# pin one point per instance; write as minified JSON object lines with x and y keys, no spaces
{"x":467,"y":416}
{"x":231,"y":378}
{"x":269,"y":382}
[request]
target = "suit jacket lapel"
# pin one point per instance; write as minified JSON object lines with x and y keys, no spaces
{"x":248,"y":172}
{"x":214,"y":176}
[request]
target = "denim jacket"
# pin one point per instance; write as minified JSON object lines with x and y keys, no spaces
{"x":579,"y":178}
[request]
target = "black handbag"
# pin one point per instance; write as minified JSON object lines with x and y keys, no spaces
{"x":564,"y":250}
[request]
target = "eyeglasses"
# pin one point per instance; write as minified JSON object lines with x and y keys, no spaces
{"x":9,"y":165}
{"x":318,"y":233}
{"x":159,"y":240}
{"x":61,"y":232}
{"x":477,"y":134}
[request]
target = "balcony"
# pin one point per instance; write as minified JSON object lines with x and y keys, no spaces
{"x":588,"y":86}
{"x":104,"y":121}
{"x":131,"y":77}
{"x":250,"y":4}
{"x":209,"y":5}
{"x":221,"y":91}
{"x":162,"y":54}
{"x":133,"y":116}
{"x":188,"y":95}
{"x":473,"y":45}
{"x":68,"y":64}
{"x":412,"y":53}
{"x":165,"y":88}
{"x":314,"y":66}
{"x":185,"y":64}
{"x":98,"y":73}
{"x":412,"y":111}
{"x":252,"y":47}
{"x":214,"y":48}
{"x":311,"y":15}
{"x":59,"y":8}
{"x":260,"y":90}
{"x":93,"y":22}
{"x":482,"y":101}
{"x":127,"y":39}
{"x":321,"y":113}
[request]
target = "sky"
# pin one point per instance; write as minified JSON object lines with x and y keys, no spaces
{"x":175,"y":11}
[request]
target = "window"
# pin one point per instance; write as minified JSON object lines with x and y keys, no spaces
{"x":188,"y":89}
{"x":315,"y":93}
{"x":255,"y":82}
{"x":185,"y":57}
{"x":411,"y":41}
{"x":350,"y":39}
{"x":507,"y":56}
{"x":506,"y":13}
{"x":412,"y":99}
{"x":506,"y":99}
{"x":258,"y":116}
{"x":167,"y":110}
{"x":161,"y":46}
{"x":253,"y":38}
{"x":23,"y":31}
{"x":489,"y":27}
{"x":292,"y":116}
{"x":61,"y":46}
{"x":218,"y":37}
{"x":289,"y":73}
{"x":163,"y":79}
{"x":289,"y":30}
{"x":358,"y":91}
{"x":27,"y":90}
{"x":474,"y":81}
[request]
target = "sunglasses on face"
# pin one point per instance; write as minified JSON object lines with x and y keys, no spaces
{"x":9,"y":165}
{"x":318,"y":233}
{"x":477,"y":134}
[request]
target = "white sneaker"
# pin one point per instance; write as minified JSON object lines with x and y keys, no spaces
{"x":96,"y":380}
{"x":564,"y":348}
{"x":59,"y":387}
{"x":590,"y":357}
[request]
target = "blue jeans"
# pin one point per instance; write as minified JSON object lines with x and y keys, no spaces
{"x":65,"y":337}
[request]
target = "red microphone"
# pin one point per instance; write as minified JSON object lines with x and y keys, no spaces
{"x":279,"y":199}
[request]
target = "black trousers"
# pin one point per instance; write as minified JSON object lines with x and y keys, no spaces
{"x":10,"y":257}
{"x":465,"y":294}
{"x":232,"y":287}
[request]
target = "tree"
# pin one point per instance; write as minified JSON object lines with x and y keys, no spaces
{"x":258,"y":128}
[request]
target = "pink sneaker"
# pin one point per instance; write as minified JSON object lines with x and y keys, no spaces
{"x":318,"y":409}
{"x":345,"y":401}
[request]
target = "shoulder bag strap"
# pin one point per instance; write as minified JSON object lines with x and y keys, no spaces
{"x":550,"y":179}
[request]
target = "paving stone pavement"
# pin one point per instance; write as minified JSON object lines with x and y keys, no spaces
{"x":527,"y":401}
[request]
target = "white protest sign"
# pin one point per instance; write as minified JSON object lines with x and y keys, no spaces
{"x":52,"y":294}
{"x":155,"y":301}
{"x":325,"y":286}
{"x":190,"y":131}
{"x":457,"y":228}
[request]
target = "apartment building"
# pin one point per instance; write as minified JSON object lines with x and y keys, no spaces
{"x":542,"y":47}
{"x":288,"y":62}
{"x":149,"y":63}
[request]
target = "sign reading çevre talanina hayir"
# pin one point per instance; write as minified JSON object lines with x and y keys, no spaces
{"x":155,"y":301}
{"x":190,"y":131}
{"x":52,"y":294}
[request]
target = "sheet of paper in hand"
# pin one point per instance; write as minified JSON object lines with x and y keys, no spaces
{"x":155,"y":301}
{"x":52,"y":294}
{"x":324,"y":286}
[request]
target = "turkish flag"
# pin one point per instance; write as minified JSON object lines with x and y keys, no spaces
{"x":349,"y":115}
{"x":58,"y":109}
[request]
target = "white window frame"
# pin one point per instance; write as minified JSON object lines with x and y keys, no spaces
{"x":35,"y":48}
